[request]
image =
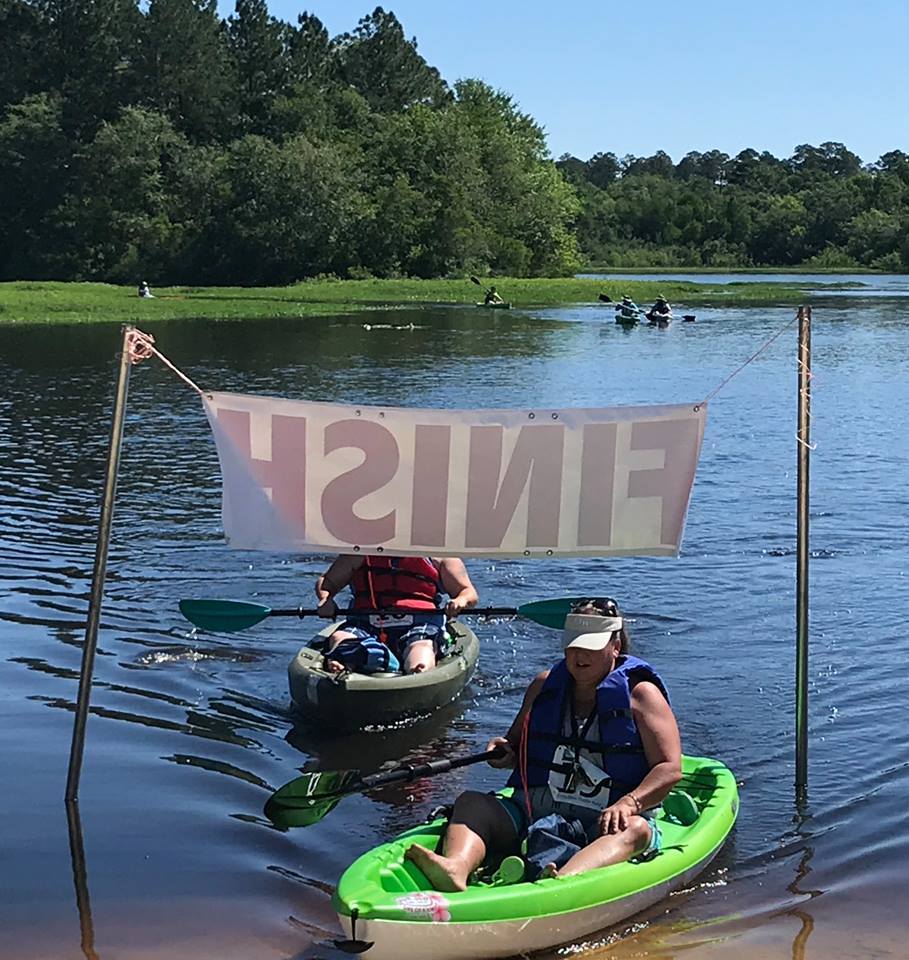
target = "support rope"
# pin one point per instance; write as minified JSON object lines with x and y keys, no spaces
{"x":140,"y":346}
{"x":753,"y":357}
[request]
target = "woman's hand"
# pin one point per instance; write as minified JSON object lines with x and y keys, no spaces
{"x":455,"y":606}
{"x":507,"y":758}
{"x":615,"y":818}
{"x":327,"y":607}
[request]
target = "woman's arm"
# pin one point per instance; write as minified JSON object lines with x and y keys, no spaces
{"x":333,"y":581}
{"x":663,"y":749}
{"x":456,"y":583}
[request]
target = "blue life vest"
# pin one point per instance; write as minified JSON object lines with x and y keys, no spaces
{"x":618,"y":742}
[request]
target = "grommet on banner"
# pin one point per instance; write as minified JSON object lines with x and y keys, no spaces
{"x":530,"y":416}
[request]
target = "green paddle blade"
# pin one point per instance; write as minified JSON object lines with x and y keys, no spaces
{"x":549,"y":613}
{"x":307,"y":799}
{"x":223,"y":615}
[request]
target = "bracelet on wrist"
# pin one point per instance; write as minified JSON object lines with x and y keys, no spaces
{"x":636,"y":802}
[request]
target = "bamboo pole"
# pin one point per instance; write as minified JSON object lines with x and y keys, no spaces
{"x":803,"y":453}
{"x":99,"y":572}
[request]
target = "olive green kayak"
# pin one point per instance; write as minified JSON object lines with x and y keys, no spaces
{"x":495,"y":306}
{"x":385,"y":901}
{"x":355,"y":700}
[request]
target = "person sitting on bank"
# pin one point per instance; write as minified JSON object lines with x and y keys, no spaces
{"x":492,"y":296}
{"x":144,"y":291}
{"x":411,"y":588}
{"x":660,"y":312}
{"x":598,"y":744}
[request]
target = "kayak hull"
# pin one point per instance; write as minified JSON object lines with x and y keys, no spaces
{"x":659,"y":319}
{"x":495,"y":306}
{"x":380,"y":699}
{"x":403,"y":918}
{"x":396,"y":940}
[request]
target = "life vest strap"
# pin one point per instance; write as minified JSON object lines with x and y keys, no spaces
{"x":594,"y":746}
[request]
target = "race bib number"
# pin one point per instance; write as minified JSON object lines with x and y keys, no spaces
{"x":581,"y":783}
{"x":390,"y":621}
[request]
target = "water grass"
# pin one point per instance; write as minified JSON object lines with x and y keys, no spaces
{"x":58,"y":302}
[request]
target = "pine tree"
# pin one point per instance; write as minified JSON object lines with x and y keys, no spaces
{"x":186,"y":67}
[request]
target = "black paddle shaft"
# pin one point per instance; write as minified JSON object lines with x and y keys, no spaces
{"x":301,"y":612}
{"x":418,"y":771}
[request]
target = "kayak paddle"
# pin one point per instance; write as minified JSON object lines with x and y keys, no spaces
{"x":229,"y":615}
{"x":308,"y":799}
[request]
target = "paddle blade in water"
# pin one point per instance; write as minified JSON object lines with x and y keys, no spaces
{"x":223,"y":615}
{"x":307,"y":799}
{"x":283,"y":816}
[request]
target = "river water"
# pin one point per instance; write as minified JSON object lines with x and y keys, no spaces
{"x":189,"y":733}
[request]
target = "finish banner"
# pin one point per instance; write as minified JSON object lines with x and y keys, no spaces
{"x":319,"y":477}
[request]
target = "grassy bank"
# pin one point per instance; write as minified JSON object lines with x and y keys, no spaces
{"x":49,"y":302}
{"x":795,"y":271}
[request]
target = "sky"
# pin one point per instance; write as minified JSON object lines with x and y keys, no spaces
{"x":636,"y":77}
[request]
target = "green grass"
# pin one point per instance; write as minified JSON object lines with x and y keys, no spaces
{"x":795,"y":271}
{"x":56,"y":302}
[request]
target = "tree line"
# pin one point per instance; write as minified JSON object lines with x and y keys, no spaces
{"x":821,"y":207}
{"x":158,"y":140}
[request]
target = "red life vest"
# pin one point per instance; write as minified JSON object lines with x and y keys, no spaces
{"x":403,"y":583}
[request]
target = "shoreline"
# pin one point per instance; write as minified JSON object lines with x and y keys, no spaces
{"x":56,"y":302}
{"x":720,"y":271}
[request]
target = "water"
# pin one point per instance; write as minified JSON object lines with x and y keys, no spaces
{"x":189,"y":733}
{"x":818,"y":285}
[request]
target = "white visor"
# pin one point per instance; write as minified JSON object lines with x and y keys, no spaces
{"x":589,"y":631}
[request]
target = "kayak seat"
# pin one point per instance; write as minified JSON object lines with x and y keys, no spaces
{"x":680,"y":807}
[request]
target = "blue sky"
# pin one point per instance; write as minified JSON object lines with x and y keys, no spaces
{"x":635,"y":77}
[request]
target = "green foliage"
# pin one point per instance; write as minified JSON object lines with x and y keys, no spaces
{"x":819,"y":207}
{"x":378,"y":61}
{"x":154,"y":139}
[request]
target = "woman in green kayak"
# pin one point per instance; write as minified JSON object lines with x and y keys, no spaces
{"x":594,"y":747}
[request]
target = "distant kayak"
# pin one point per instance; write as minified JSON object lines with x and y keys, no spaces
{"x":662,"y":319}
{"x":390,"y":912}
{"x":495,"y":306}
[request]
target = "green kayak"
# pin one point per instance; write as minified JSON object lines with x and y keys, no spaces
{"x":495,"y":306}
{"x":356,"y":700}
{"x":400,"y":917}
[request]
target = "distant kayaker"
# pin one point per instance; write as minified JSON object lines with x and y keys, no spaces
{"x":492,"y":296}
{"x":144,"y":291}
{"x":660,"y":312}
{"x":627,"y":311}
{"x":601,"y":696}
{"x":412,"y":588}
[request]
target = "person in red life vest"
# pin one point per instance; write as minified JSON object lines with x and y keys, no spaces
{"x":412,"y":635}
{"x":595,"y":749}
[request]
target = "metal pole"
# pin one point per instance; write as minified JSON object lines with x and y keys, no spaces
{"x":803,"y":449}
{"x":98,"y":574}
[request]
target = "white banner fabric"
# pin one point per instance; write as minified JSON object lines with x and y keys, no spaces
{"x":320,"y":477}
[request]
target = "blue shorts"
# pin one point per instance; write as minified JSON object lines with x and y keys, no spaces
{"x":516,"y":809}
{"x":366,"y":653}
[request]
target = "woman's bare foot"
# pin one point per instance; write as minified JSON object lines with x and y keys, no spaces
{"x":333,"y":666}
{"x":443,"y":873}
{"x":549,"y":872}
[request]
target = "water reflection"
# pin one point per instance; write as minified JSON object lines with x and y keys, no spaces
{"x":80,"y":881}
